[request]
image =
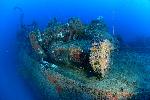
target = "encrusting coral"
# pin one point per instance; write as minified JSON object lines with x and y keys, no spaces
{"x":100,"y":56}
{"x":68,"y":44}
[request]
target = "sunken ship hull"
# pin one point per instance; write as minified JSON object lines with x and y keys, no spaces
{"x":80,"y":61}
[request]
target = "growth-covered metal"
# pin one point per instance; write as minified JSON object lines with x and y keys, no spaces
{"x":74,"y":60}
{"x":75,"y":44}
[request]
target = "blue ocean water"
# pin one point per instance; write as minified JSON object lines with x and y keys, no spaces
{"x":130,"y":19}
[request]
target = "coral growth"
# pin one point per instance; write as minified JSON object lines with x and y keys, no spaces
{"x":72,"y":59}
{"x":35,"y":44}
{"x":100,"y":56}
{"x":75,"y":54}
{"x":68,"y":44}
